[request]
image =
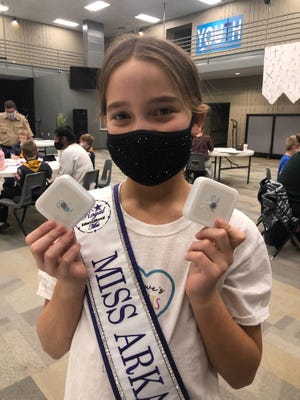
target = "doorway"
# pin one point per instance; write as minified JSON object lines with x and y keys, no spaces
{"x":217,"y":122}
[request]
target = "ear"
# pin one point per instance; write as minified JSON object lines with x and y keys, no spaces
{"x":198,"y":120}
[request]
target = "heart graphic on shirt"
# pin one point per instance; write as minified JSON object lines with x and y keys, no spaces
{"x":160,"y":287}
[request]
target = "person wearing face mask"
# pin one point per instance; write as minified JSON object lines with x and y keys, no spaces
{"x":73,"y":158}
{"x":31,"y":165}
{"x":86,"y":140}
{"x":11,"y":122}
{"x":150,"y":304}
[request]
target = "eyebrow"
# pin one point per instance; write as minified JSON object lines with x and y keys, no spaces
{"x":116,"y":104}
{"x":159,"y":100}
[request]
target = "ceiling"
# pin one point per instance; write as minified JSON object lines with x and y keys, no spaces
{"x":118,"y":16}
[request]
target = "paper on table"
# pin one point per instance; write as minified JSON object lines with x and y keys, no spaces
{"x":227,"y":150}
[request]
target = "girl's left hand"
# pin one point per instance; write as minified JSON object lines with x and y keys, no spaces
{"x":210,"y":256}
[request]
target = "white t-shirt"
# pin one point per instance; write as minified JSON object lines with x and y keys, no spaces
{"x":75,"y":161}
{"x":159,"y":251}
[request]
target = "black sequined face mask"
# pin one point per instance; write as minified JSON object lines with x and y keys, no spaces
{"x":150,"y":157}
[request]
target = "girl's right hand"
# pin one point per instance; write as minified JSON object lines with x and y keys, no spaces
{"x":57,"y":252}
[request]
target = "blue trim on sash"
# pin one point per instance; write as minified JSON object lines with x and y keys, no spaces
{"x":144,"y":291}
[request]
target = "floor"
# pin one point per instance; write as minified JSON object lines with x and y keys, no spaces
{"x":27,"y":373}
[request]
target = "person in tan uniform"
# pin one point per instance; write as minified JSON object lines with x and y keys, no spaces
{"x":11,"y":122}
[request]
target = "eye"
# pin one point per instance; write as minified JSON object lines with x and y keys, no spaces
{"x":164,"y":111}
{"x":119,"y":116}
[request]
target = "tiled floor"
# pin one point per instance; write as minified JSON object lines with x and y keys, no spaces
{"x":27,"y":373}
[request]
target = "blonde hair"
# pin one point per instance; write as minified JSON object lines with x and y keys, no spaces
{"x":292,"y":141}
{"x":175,"y":62}
{"x":87,"y":137}
{"x":25,"y":133}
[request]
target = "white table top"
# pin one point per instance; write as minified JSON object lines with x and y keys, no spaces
{"x":230,"y":152}
{"x":12,"y":166}
{"x":44,"y":143}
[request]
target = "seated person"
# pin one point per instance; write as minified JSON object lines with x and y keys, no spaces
{"x":292,"y":145}
{"x":31,"y":166}
{"x":15,"y":151}
{"x":202,"y":143}
{"x":73,"y":159}
{"x":290,"y":178}
{"x":11,"y":121}
{"x":86,"y":141}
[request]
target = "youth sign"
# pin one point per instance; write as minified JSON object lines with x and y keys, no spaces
{"x":222,"y":35}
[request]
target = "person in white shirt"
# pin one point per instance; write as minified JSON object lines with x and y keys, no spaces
{"x":208,"y":288}
{"x":73,"y":159}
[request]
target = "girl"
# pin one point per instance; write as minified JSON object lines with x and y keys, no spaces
{"x":170,"y":305}
{"x":202,"y":143}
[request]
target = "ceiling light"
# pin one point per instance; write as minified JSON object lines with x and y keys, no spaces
{"x":3,"y":8}
{"x":147,"y":18}
{"x":237,"y":73}
{"x":210,"y":2}
{"x":65,"y":22}
{"x":15,"y":21}
{"x":97,"y":5}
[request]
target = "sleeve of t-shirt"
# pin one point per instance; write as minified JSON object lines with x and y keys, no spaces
{"x":46,"y":285}
{"x":247,"y":284}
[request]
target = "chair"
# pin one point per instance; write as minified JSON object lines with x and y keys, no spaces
{"x":106,"y":174}
{"x":195,"y":167}
{"x":276,"y":215}
{"x":90,"y":179}
{"x":33,"y":187}
{"x":268,"y":174}
{"x":268,"y":177}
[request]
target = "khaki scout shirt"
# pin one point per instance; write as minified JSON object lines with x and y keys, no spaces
{"x":9,"y":130}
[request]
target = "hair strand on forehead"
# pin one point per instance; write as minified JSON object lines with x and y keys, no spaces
{"x":173,"y":60}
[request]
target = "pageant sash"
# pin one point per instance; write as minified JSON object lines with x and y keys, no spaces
{"x":136,"y":355}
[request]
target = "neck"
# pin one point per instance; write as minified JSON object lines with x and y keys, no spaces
{"x":155,"y":204}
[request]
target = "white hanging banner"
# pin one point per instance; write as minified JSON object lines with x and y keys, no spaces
{"x":281,"y":72}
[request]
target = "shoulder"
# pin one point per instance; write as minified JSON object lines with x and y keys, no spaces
{"x":254,"y":240}
{"x":291,"y":166}
{"x":22,"y":168}
{"x":241,"y":220}
{"x":45,"y":165}
{"x":296,"y":157}
{"x":80,"y":151}
{"x":21,"y":117}
{"x":21,"y":171}
{"x":76,"y":147}
{"x":285,"y":157}
{"x":68,"y":150}
{"x":250,"y":257}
